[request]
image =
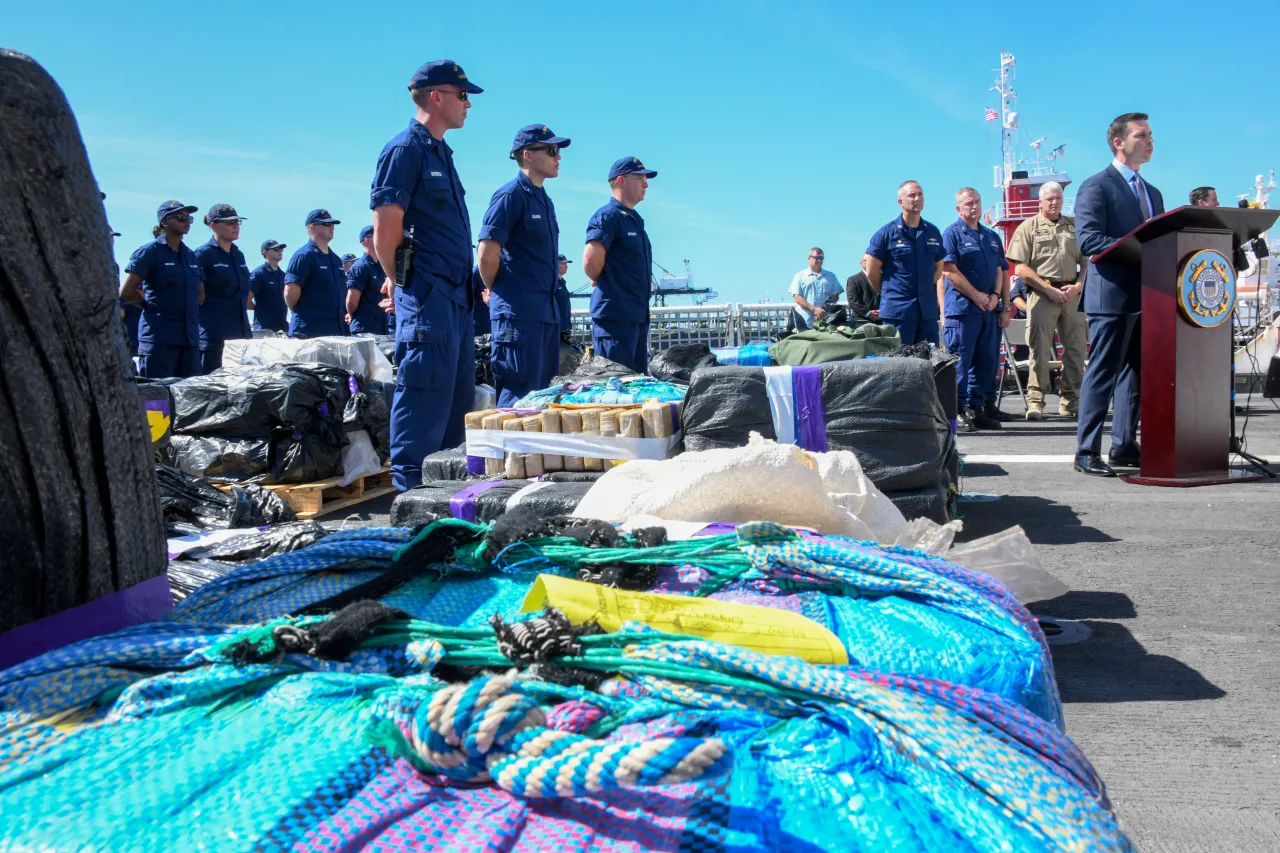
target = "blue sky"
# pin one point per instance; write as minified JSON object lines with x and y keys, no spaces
{"x":774,"y":127}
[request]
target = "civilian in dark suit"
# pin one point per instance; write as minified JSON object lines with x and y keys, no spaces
{"x":864,"y":301}
{"x":1108,"y":206}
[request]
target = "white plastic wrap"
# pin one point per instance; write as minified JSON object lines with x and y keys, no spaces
{"x":486,"y":398}
{"x":763,"y":481}
{"x":360,"y":355}
{"x":496,"y":444}
{"x":359,"y":459}
{"x":1009,"y":558}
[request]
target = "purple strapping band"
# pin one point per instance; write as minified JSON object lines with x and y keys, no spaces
{"x":811,"y":426}
{"x":463,"y":504}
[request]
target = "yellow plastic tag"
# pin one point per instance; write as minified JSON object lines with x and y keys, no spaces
{"x":158,"y":422}
{"x":761,"y":629}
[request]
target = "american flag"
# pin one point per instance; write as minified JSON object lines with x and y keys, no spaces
{"x":992,"y":115}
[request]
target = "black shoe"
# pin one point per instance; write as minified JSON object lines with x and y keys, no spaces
{"x":993,"y":411}
{"x":1092,"y":464}
{"x":1124,"y":458}
{"x":964,"y":423}
{"x":980,"y":419}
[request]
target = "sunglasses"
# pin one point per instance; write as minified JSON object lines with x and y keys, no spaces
{"x":552,"y":150}
{"x":462,"y":95}
{"x":181,"y":217}
{"x":817,"y":257}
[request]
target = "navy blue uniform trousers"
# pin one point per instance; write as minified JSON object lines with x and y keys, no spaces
{"x":526,"y":356}
{"x":166,"y":361}
{"x":971,"y":336}
{"x":625,"y":343}
{"x":1115,"y":368}
{"x":435,"y":387}
{"x":913,"y":329}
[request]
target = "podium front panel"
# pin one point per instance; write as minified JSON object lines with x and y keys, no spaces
{"x":1186,"y":367}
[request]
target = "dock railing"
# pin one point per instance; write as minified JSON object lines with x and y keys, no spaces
{"x":728,"y":325}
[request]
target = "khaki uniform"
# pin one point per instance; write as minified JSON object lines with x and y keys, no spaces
{"x":1051,"y":250}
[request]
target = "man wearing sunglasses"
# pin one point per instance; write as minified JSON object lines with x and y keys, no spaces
{"x":164,"y":278}
{"x":519,"y":249}
{"x":812,"y":289}
{"x":619,"y":261}
{"x":415,"y":186}
{"x":314,"y":283}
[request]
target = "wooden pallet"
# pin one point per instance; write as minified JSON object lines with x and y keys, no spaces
{"x":325,"y":496}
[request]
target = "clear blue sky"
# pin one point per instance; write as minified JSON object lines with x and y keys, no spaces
{"x":774,"y":126}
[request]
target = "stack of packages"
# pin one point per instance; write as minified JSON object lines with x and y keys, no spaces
{"x":886,"y":410}
{"x":546,"y":452}
{"x":278,"y":424}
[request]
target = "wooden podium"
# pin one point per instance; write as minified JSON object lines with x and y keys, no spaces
{"x":1188,"y":294}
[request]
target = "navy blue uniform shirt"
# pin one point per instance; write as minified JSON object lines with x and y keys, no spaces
{"x":978,"y":255}
{"x":171,"y":290}
{"x":223,"y":314}
{"x":269,"y":310}
{"x":366,"y":276}
{"x":564,"y":305}
{"x":522,"y":219}
{"x":324,"y":285}
{"x":622,"y":293}
{"x":415,"y":170}
{"x":906,"y":279}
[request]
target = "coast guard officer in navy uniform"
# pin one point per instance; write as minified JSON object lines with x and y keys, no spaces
{"x":975,"y":306}
{"x":563,"y":304}
{"x":619,"y":261}
{"x":519,"y":262}
{"x":1109,"y":205}
{"x":266,"y":290}
{"x":364,"y":290}
{"x":905,"y":268}
{"x":416,"y":186}
{"x":314,"y":283}
{"x":165,"y":279}
{"x":223,"y":313}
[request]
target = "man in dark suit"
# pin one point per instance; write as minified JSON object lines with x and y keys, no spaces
{"x":864,"y":301}
{"x":1108,"y":206}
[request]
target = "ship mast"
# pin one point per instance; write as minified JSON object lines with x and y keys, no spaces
{"x":1008,"y":116}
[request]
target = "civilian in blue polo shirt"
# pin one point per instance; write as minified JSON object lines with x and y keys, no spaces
{"x":976,"y":306}
{"x":519,"y":251}
{"x":619,"y":261}
{"x":416,"y":186}
{"x":563,"y":303}
{"x":905,"y":268}
{"x":364,"y":290}
{"x":266,"y":291}
{"x":314,"y":283}
{"x":223,"y":314}
{"x":165,"y":279}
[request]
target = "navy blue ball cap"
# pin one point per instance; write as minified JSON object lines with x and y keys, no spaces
{"x":172,"y":206}
{"x":113,"y":232}
{"x":366,"y":232}
{"x":562,"y":259}
{"x":348,"y":257}
{"x":222,"y":213}
{"x":630,"y":166}
{"x":442,"y":72}
{"x":321,"y":216}
{"x":272,"y":244}
{"x":536,"y":134}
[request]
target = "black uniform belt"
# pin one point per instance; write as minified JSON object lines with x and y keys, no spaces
{"x":1057,"y":283}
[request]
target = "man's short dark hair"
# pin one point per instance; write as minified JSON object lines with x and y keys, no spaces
{"x":1119,"y":128}
{"x":1200,"y":194}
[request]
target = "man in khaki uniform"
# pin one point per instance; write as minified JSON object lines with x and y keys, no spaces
{"x":1048,"y":259}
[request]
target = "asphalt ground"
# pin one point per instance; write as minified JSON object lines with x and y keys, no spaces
{"x":1175,"y":693}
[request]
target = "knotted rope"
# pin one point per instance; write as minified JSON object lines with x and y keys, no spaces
{"x":488,"y":730}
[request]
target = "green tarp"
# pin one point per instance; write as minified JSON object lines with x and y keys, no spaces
{"x":835,"y":343}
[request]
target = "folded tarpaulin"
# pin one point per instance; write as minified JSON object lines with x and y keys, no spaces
{"x":835,"y":343}
{"x":885,"y":410}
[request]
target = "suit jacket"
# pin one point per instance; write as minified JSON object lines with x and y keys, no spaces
{"x":1106,"y":210}
{"x":861,"y":296}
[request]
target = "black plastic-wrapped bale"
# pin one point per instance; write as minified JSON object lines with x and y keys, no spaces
{"x":254,"y":402}
{"x":678,"y":363}
{"x":220,"y":460}
{"x":885,"y":410}
{"x":934,"y":503}
{"x":447,"y":464}
{"x":81,"y":519}
{"x":480,"y":500}
{"x":190,"y":504}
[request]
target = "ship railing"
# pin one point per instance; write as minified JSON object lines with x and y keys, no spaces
{"x":1025,"y":209}
{"x":725,"y":325}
